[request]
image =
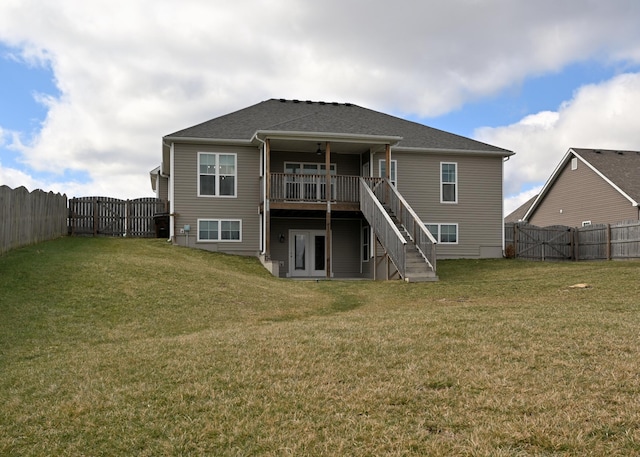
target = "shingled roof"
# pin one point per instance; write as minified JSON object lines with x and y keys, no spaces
{"x":280,"y":115}
{"x":622,"y":168}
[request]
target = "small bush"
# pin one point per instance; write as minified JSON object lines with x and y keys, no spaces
{"x":510,"y":251}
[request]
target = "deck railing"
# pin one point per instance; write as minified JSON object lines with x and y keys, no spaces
{"x":416,"y":229}
{"x":312,"y":188}
{"x":382,"y":225}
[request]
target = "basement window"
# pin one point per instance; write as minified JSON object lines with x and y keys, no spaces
{"x":219,"y":230}
{"x":444,"y":233}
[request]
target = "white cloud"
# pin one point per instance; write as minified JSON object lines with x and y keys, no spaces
{"x":131,"y":72}
{"x":514,"y":202}
{"x":15,"y":178}
{"x":599,"y":116}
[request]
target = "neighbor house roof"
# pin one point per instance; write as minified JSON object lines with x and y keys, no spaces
{"x":517,"y":215}
{"x":619,"y":168}
{"x":296,"y":116}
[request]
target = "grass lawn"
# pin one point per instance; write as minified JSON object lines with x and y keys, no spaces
{"x":136,"y":347}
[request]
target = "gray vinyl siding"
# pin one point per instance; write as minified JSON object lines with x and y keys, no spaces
{"x":190,"y":207}
{"x":346,"y":248}
{"x":478,"y":212}
{"x":582,"y":195}
{"x":345,"y":237}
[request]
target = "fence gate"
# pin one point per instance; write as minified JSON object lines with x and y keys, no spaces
{"x":108,"y":216}
{"x":543,"y":243}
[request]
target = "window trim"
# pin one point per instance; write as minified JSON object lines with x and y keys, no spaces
{"x":394,"y":167}
{"x":439,"y":237}
{"x":219,"y":239}
{"x":574,"y":163}
{"x":217,"y":175}
{"x":455,"y":184}
{"x":333,"y":167}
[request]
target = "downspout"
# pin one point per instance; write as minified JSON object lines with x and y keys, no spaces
{"x":504,"y":247}
{"x":171,"y":191}
{"x":263,"y":172}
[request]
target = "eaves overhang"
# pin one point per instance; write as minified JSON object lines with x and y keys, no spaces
{"x":262,"y":135}
{"x":418,"y":150}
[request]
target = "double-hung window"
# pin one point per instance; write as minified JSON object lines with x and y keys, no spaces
{"x":217,"y":174}
{"x":219,"y":230}
{"x":382,"y":171}
{"x":448,"y":182}
{"x":444,"y":233}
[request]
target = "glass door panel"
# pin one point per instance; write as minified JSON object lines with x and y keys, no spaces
{"x":300,"y":252}
{"x":319,"y":253}
{"x":307,"y":253}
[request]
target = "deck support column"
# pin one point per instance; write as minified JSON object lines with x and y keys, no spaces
{"x":387,"y":170}
{"x":327,"y":193}
{"x":387,"y":158}
{"x":267,"y":193}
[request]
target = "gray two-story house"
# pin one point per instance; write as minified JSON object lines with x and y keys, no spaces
{"x":320,"y":189}
{"x":588,"y":186}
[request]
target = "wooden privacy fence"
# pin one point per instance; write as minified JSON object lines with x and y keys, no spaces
{"x":592,"y":242}
{"x":108,"y":216}
{"x":30,"y":217}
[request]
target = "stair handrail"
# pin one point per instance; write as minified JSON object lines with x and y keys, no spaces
{"x":391,"y":238}
{"x":420,"y":235}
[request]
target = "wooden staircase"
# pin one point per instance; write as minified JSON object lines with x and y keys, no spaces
{"x":417,"y":268}
{"x":403,"y":236}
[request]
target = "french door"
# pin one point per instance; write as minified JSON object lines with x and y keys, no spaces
{"x":307,"y":253}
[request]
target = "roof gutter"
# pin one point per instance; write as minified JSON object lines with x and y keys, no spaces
{"x":502,"y":153}
{"x":223,"y":141}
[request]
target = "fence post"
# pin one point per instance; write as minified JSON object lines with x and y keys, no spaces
{"x":574,"y":244}
{"x":95,"y":216}
{"x":515,"y":240}
{"x":608,"y":241}
{"x":127,"y":221}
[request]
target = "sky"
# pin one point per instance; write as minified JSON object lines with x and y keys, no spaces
{"x":88,"y":89}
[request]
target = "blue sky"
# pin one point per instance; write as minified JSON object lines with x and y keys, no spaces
{"x":535,"y":94}
{"x":88,"y":93}
{"x":20,"y":110}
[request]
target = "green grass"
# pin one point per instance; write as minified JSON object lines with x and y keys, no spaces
{"x":135,"y":347}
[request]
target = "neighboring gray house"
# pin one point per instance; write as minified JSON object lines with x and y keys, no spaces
{"x":589,"y":186}
{"x":159,"y":184}
{"x":254,"y":182}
